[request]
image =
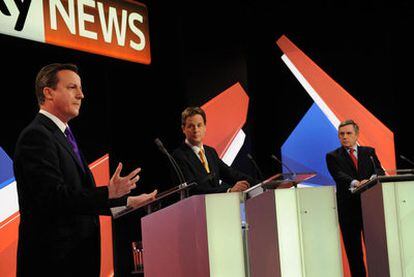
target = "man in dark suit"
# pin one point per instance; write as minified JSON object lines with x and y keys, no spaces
{"x":200,"y":163}
{"x":59,"y":232}
{"x":352,"y":166}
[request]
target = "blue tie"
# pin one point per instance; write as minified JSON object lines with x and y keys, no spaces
{"x":71,"y":139}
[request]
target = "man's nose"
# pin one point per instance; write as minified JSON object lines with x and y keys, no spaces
{"x":80,"y":94}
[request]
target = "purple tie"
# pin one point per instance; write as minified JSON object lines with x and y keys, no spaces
{"x":72,"y":142}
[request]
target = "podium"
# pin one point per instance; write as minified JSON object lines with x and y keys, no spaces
{"x":198,"y":236}
{"x":121,"y":211}
{"x":388,"y":215}
{"x":294,"y":232}
{"x":278,"y":181}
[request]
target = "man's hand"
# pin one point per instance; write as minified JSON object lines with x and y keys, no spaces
{"x":240,"y":186}
{"x":120,"y":186}
{"x":359,"y":183}
{"x":135,"y":201}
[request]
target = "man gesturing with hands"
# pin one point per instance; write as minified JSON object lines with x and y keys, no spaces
{"x":59,"y":203}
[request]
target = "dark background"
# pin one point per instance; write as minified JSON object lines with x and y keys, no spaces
{"x":200,"y":49}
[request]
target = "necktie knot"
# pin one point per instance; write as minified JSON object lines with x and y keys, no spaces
{"x":69,"y":133}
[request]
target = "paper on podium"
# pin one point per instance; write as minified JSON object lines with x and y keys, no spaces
{"x":279,"y":181}
{"x":123,"y":210}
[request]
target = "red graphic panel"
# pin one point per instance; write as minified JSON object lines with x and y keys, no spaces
{"x":100,"y":171}
{"x":373,"y":132}
{"x":9,"y":230}
{"x":226,"y":115}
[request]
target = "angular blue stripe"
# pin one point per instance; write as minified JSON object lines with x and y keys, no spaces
{"x":6,"y":166}
{"x":6,"y":183}
{"x":306,"y":147}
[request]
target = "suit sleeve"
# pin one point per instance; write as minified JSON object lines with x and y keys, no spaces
{"x":337,"y":173}
{"x":232,"y":176}
{"x":37,"y":166}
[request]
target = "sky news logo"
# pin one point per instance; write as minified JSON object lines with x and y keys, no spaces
{"x":112,"y":28}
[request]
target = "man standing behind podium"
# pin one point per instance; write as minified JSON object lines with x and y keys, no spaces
{"x":200,"y":163}
{"x":352,"y":166}
{"x":59,"y":232}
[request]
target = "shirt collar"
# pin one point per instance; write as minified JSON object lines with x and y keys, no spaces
{"x":62,"y":126}
{"x":195,"y":149}
{"x":355,"y":147}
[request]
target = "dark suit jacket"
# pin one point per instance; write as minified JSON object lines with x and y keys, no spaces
{"x":59,"y":202}
{"x":343,"y":171}
{"x":194,"y":170}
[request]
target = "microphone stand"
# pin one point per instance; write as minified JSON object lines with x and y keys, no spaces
{"x":285,"y":166}
{"x":179,"y":173}
{"x":259,"y":172}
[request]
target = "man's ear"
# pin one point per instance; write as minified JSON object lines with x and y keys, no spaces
{"x":48,"y":93}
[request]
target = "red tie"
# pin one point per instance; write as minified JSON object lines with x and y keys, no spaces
{"x":354,"y":159}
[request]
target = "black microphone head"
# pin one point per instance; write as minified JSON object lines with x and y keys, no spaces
{"x":275,"y":158}
{"x":158,"y":142}
{"x":283,"y":165}
{"x":403,"y":157}
{"x":256,"y":166}
{"x":160,"y":145}
{"x":407,"y":159}
{"x":374,"y":165}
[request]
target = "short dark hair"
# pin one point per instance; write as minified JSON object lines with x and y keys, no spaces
{"x":349,"y":122}
{"x":191,"y":111}
{"x":47,"y":77}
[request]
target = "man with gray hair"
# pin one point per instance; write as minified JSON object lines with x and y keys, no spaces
{"x":351,"y":166}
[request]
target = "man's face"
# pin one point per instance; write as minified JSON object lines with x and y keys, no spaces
{"x":66,"y":98}
{"x":347,"y":136}
{"x":194,"y":129}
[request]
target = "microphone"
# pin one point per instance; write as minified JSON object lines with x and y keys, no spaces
{"x":407,"y":160}
{"x":373,"y":164}
{"x":259,"y":172}
{"x":161,"y":146}
{"x":174,"y":164}
{"x":284,"y":165}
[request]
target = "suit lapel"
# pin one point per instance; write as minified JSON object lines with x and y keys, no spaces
{"x":192,"y":157}
{"x":60,"y":137}
{"x":64,"y":142}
